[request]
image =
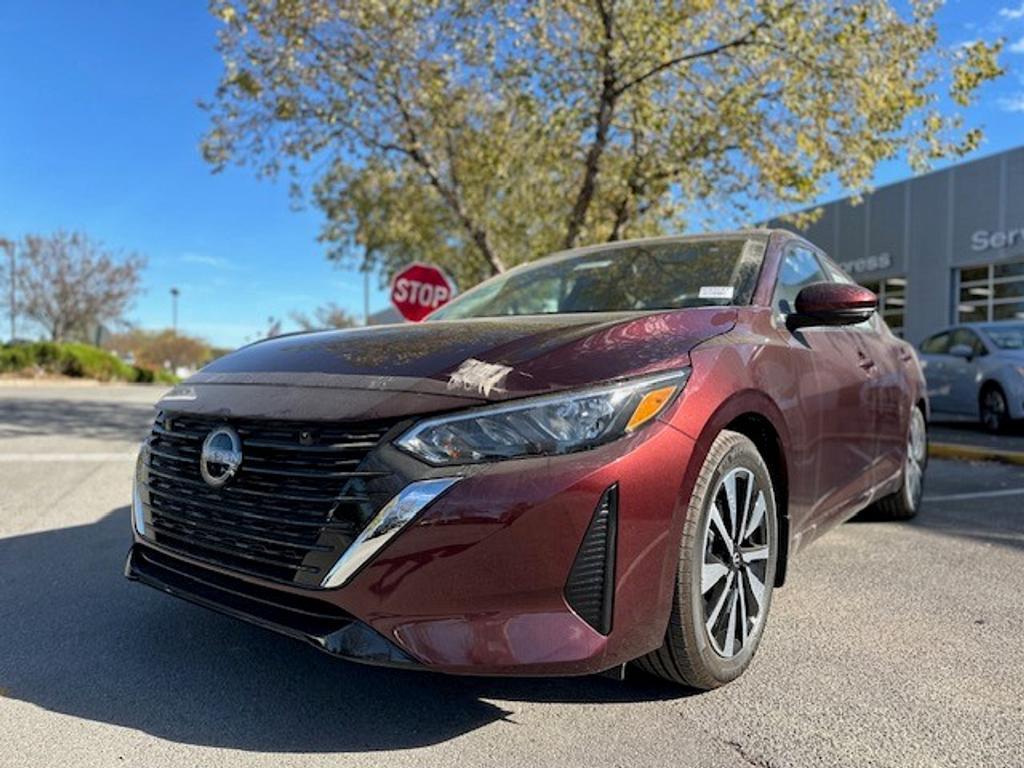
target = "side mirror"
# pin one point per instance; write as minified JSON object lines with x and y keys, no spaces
{"x":962,"y":350}
{"x":833,"y":304}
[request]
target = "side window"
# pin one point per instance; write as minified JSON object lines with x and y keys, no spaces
{"x":936,"y":345}
{"x":799,"y":268}
{"x":537,"y":298}
{"x":968,"y":338}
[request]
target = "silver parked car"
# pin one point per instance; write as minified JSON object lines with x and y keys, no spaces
{"x":976,"y":371}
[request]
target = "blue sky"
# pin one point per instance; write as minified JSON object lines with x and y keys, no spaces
{"x":99,"y":131}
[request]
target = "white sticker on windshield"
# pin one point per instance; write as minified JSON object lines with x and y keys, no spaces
{"x":716,"y":292}
{"x":592,"y":265}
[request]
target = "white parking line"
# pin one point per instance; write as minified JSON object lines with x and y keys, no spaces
{"x":38,"y":458}
{"x":977,"y":495}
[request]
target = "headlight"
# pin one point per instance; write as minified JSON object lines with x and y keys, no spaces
{"x":138,"y":512}
{"x":542,"y":426}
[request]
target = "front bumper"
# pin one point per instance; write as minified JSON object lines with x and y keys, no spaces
{"x":476,"y":584}
{"x":1015,"y":396}
{"x":318,"y":623}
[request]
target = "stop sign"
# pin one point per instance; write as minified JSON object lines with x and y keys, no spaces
{"x":419,"y":289}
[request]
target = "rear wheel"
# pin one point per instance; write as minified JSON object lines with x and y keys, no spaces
{"x":726,"y":570}
{"x":995,"y":415}
{"x":904,"y":504}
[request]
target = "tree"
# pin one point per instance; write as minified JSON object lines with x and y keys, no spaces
{"x":273,"y":329}
{"x":329,"y":315}
{"x":69,"y":282}
{"x":161,"y":349}
{"x":481,"y":135}
{"x":8,"y":300}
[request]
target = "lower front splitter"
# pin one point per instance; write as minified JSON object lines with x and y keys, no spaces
{"x":332,"y":632}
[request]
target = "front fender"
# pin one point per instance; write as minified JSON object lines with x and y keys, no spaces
{"x":1010,"y":379}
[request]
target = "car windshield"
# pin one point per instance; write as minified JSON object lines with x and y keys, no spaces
{"x":650,"y":276}
{"x":1006,"y":336}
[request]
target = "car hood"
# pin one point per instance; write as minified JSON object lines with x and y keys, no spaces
{"x":416,"y":368}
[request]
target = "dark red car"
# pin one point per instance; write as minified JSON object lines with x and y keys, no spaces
{"x":606,"y":456}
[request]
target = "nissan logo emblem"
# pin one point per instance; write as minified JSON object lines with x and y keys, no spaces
{"x":221,"y":456}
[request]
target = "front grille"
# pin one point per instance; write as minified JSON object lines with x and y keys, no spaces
{"x":302,"y":494}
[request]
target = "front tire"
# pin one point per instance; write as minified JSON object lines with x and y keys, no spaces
{"x":726,"y":571}
{"x":995,"y":414}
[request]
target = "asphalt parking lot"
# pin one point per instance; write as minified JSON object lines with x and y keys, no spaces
{"x":972,"y":434}
{"x":892,"y":644}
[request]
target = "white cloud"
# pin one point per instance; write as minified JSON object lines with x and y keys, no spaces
{"x":1012,"y":13}
{"x":1013,"y":103}
{"x":1017,"y":47}
{"x":207,"y":261}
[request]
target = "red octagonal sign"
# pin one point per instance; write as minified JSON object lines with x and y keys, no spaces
{"x":419,"y":289}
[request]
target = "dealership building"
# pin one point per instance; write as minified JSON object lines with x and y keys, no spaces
{"x":940,"y":248}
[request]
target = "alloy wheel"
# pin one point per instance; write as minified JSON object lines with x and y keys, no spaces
{"x":917,"y":455}
{"x":993,"y":409}
{"x":736,"y":554}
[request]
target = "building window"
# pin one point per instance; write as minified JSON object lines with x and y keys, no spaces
{"x":991,"y":292}
{"x":892,"y":300}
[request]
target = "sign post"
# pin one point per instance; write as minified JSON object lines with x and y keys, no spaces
{"x":419,"y":289}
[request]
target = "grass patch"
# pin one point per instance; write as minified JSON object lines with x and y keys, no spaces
{"x":80,"y":361}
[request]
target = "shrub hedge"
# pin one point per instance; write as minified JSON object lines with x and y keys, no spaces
{"x":76,"y":360}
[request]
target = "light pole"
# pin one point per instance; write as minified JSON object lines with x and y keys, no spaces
{"x":366,"y":297}
{"x":9,"y":245}
{"x":174,"y":309}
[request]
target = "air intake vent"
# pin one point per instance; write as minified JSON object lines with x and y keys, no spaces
{"x":591,"y":584}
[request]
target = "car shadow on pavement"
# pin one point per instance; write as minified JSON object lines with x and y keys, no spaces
{"x":957,"y":502}
{"x":79,"y":639}
{"x":1001,"y":525}
{"x":1014,"y":429}
{"x":83,"y":418}
{"x":978,"y":523}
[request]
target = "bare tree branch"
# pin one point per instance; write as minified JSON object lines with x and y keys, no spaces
{"x":449,"y":194}
{"x":747,"y":38}
{"x":69,"y":282}
{"x":602,"y":123}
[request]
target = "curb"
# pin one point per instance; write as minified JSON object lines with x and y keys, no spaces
{"x":974,"y":453}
